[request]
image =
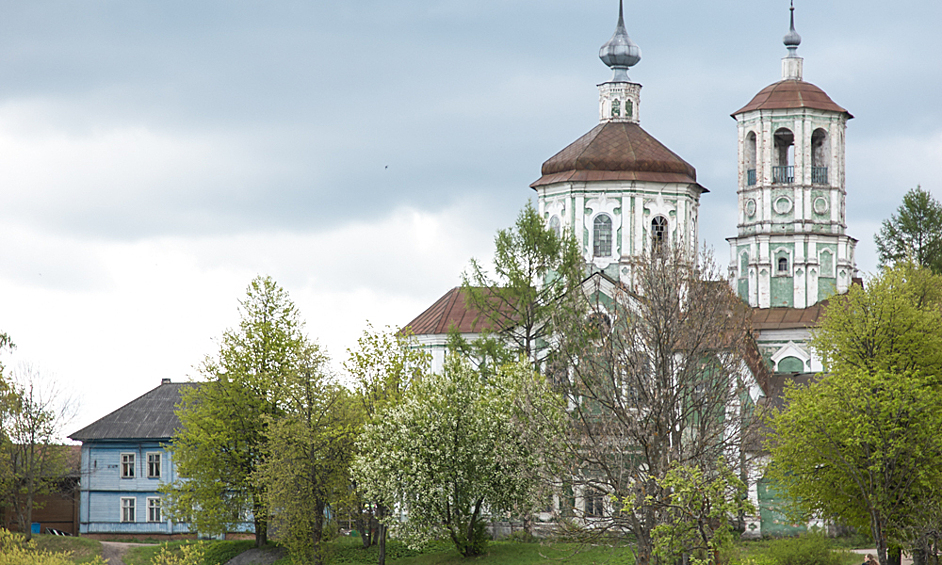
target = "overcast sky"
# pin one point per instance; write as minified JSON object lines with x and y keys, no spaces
{"x":156,"y":155}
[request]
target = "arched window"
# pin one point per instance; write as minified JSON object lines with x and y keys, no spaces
{"x":658,"y":231}
{"x":554,"y":225}
{"x":820,"y":156}
{"x":782,"y":265}
{"x":602,"y":236}
{"x":783,"y":158}
{"x":749,"y":155}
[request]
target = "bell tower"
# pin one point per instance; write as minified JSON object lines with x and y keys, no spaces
{"x":791,"y":249}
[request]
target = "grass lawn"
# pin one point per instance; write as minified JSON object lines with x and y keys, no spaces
{"x":515,"y":553}
{"x":82,"y":549}
{"x":348,"y":551}
{"x":216,"y":552}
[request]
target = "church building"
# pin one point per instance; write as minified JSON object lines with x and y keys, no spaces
{"x":620,"y":191}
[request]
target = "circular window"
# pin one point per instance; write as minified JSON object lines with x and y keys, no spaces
{"x":821,"y":205}
{"x":783,"y":205}
{"x":750,"y":207}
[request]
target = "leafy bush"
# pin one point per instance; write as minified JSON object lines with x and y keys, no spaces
{"x":189,"y":554}
{"x":16,"y":550}
{"x":353,"y":553}
{"x":813,"y":548}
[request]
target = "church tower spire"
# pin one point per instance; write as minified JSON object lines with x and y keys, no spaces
{"x":619,"y":98}
{"x":792,"y":63}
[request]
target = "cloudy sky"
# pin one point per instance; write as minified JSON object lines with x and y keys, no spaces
{"x":156,"y":155}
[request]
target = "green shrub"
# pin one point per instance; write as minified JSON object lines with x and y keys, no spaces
{"x":521,"y":536}
{"x":813,"y":548}
{"x":16,"y":550}
{"x":189,"y":554}
{"x":350,"y":551}
{"x":220,"y":552}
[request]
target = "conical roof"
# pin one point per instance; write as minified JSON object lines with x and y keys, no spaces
{"x":616,"y":151}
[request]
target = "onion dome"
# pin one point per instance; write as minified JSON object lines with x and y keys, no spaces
{"x":616,"y":151}
{"x":620,"y":53}
{"x":792,"y":40}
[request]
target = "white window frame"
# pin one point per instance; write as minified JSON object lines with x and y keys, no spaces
{"x":128,"y":463}
{"x":153,"y":503}
{"x":596,"y":240}
{"x":160,"y":463}
{"x":128,"y":509}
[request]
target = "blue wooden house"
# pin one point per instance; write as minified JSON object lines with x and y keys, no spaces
{"x":124,"y":462}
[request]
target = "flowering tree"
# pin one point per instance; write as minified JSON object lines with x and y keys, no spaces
{"x":451,"y":452}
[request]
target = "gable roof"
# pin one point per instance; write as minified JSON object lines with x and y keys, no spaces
{"x":450,"y":311}
{"x":150,"y":416}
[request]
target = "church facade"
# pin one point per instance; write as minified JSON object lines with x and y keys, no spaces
{"x":621,"y":192}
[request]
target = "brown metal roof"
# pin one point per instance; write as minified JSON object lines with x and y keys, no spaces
{"x":617,"y":151}
{"x":788,"y":94}
{"x":787,"y":318}
{"x":449,"y":311}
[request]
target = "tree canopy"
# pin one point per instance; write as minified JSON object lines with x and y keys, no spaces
{"x":382,"y":367}
{"x":222,"y":438}
{"x":892,"y":323}
{"x":655,"y":377}
{"x":307,"y":455}
{"x":534,"y":266}
{"x":913,"y":233}
{"x":862,"y":447}
{"x":448,"y":453}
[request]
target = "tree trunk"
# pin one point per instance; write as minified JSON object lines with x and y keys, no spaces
{"x":318,"y":533}
{"x":261,"y":525}
{"x":895,"y":556}
{"x":381,"y":533}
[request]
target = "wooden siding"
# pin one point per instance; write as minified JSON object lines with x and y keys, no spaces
{"x":102,"y":488}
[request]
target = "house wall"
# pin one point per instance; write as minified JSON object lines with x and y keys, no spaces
{"x":58,"y":510}
{"x":102,"y":488}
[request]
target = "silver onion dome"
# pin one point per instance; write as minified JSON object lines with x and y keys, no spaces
{"x":792,"y":40}
{"x":620,"y":52}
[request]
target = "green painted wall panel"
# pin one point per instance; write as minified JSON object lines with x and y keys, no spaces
{"x":783,"y":291}
{"x":826,"y":288}
{"x":772,"y":507}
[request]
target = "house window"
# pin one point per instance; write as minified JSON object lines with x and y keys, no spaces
{"x":602,"y":236}
{"x":594,"y":503}
{"x":782,"y":265}
{"x":153,"y":465}
{"x":153,"y":509}
{"x":127,"y":509}
{"x":127,"y":465}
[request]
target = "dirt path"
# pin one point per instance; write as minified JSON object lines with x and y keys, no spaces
{"x":257,"y":557}
{"x":113,"y":551}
